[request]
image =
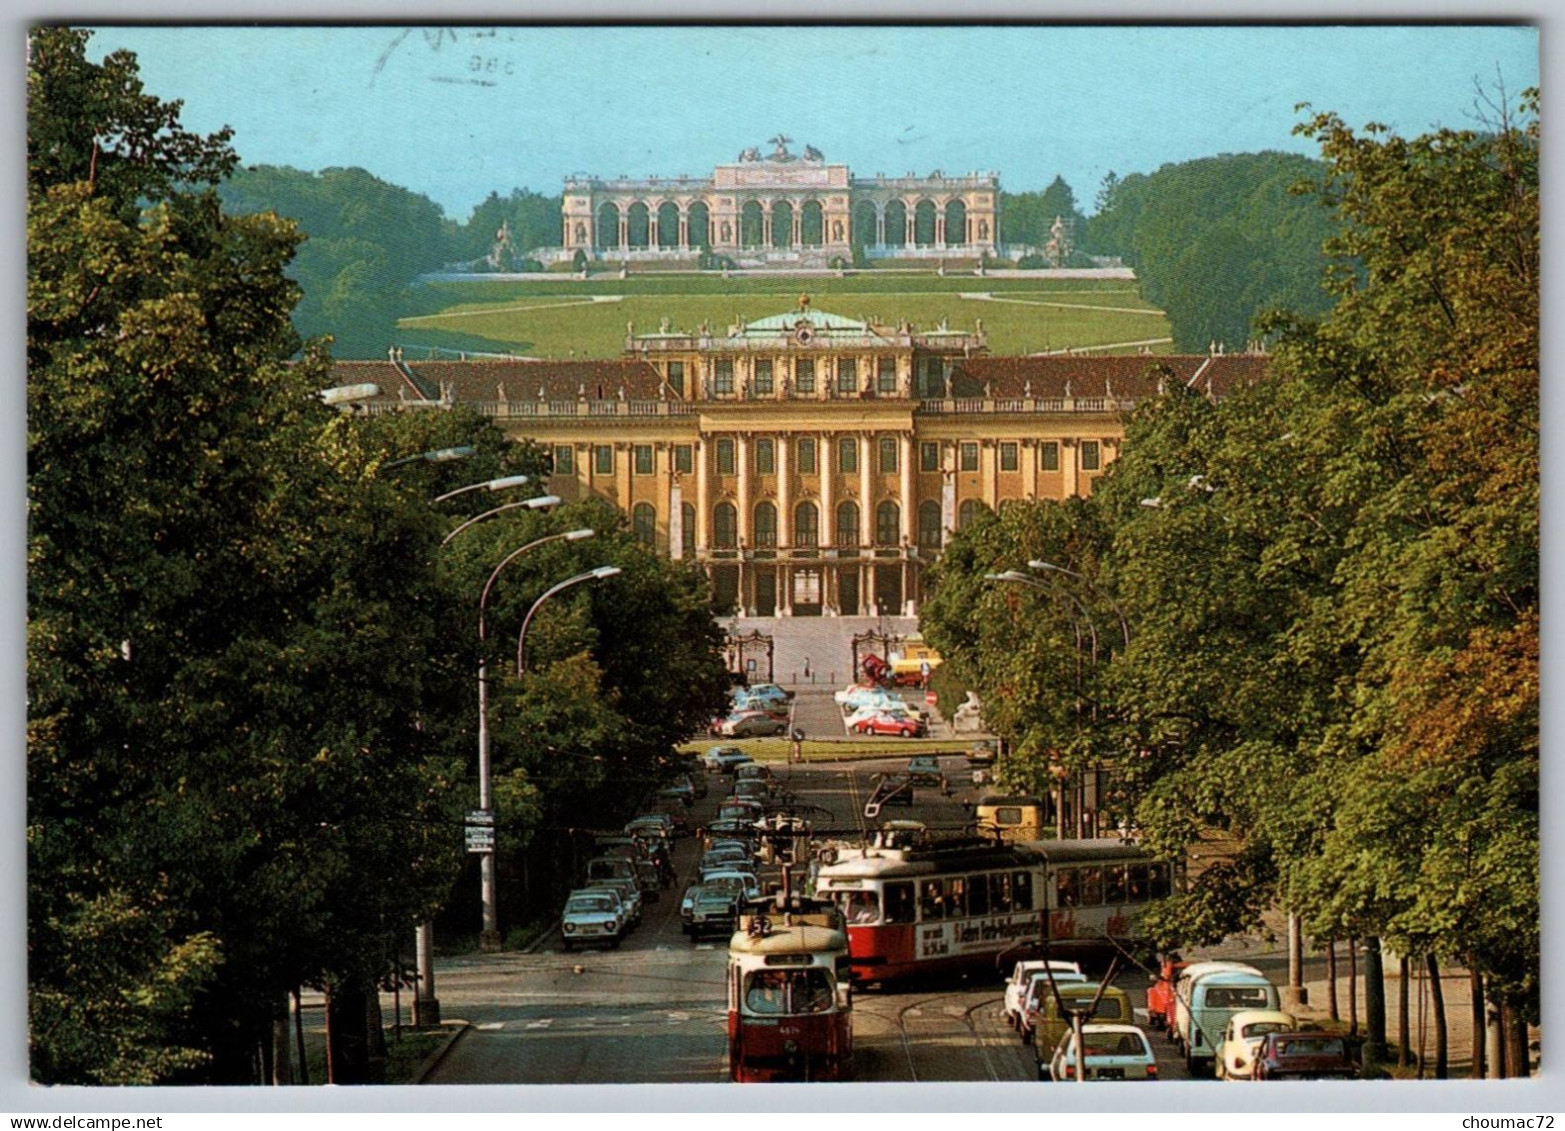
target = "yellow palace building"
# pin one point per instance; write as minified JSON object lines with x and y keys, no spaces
{"x":812,"y":464}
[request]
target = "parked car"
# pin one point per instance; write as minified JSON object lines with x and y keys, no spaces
{"x":1305,"y":1055}
{"x":753,"y":789}
{"x":710,"y":908}
{"x":752,"y":724}
{"x":1110,"y":1052}
{"x":724,"y":759}
{"x":775,"y":708}
{"x":746,"y":771}
{"x":592,"y":915}
{"x":1243,"y":1036}
{"x":1021,"y":977}
{"x":728,"y":857}
{"x":769,"y":691}
{"x":924,"y":769}
{"x":892,"y":789}
{"x":1035,"y":996}
{"x":680,"y":790}
{"x":899,"y":725}
{"x":629,"y":897}
{"x":981,"y":753}
{"x":742,"y":808}
{"x":1206,"y":996}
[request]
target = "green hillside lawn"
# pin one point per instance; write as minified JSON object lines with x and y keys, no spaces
{"x":565,"y":319}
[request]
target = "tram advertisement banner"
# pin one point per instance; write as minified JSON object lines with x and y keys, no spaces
{"x":967,"y":936}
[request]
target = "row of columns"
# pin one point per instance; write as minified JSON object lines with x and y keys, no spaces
{"x":834,"y":230}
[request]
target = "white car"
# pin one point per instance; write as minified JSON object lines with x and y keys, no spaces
{"x":1242,"y":1037}
{"x":1113,"y":1052}
{"x":592,"y":915}
{"x":1021,"y":977}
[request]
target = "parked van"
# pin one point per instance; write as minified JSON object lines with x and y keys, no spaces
{"x":1207,"y":996}
{"x":1046,"y":1024}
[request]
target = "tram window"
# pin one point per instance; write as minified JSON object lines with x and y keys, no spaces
{"x":978,"y":895}
{"x":1158,"y":881}
{"x":1138,"y":883}
{"x":860,"y":906}
{"x":1021,"y":887}
{"x":1091,"y":887}
{"x":1067,"y":892}
{"x":1114,"y":884}
{"x":1000,"y":893}
{"x":933,"y":903}
{"x":956,"y":897}
{"x":899,"y":906}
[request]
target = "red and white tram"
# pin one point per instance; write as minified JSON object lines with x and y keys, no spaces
{"x":789,"y":996}
{"x":938,"y":907}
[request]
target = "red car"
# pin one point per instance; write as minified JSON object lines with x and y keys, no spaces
{"x":890,"y":724}
{"x":1160,"y":998}
{"x":1304,"y":1056}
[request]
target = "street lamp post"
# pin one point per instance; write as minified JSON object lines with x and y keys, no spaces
{"x":598,"y":574}
{"x":533,"y":504}
{"x":489,"y":937}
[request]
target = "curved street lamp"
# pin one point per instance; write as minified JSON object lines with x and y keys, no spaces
{"x":533,"y":504}
{"x":438,"y":455}
{"x":1124,"y":625}
{"x":598,"y":574}
{"x":490,"y":485}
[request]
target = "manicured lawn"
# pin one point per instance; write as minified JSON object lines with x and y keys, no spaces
{"x":572,"y":318}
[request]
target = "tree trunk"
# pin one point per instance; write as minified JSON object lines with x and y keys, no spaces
{"x":347,"y":1046}
{"x":1405,"y":970}
{"x":1518,"y":1060}
{"x":1475,"y":982}
{"x":1353,"y":988}
{"x":298,"y":1030}
{"x":374,"y":1036}
{"x":282,"y":1043}
{"x":1374,"y":1004}
{"x":1437,"y":999}
{"x":1331,"y":980}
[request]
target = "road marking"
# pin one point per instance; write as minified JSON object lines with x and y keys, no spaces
{"x":543,"y":1024}
{"x":490,"y":1026}
{"x":677,"y":1017}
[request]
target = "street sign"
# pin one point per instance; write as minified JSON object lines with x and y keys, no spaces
{"x":931,"y":698}
{"x":480,"y":840}
{"x":484,"y":817}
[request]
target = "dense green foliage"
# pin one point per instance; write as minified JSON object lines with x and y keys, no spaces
{"x":1218,"y":242}
{"x":531,"y":221}
{"x":1027,"y":217}
{"x":250,"y":664}
{"x":1327,"y":674}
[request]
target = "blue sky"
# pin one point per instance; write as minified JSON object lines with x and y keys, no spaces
{"x":456,"y":113}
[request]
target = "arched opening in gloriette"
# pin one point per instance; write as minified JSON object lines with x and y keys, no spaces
{"x":924,"y":223}
{"x":668,"y":224}
{"x":956,"y":222}
{"x":752,"y":225}
{"x":698,"y":225}
{"x":896,"y":224}
{"x":782,"y":224}
{"x":607,"y":227}
{"x":812,"y":224}
{"x":638,"y":224}
{"x":864,"y":233}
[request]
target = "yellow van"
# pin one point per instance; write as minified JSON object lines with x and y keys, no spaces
{"x":1012,"y":818}
{"x":1043,"y":1023}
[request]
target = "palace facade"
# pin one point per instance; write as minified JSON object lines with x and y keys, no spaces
{"x":781,"y":210}
{"x":811,"y":464}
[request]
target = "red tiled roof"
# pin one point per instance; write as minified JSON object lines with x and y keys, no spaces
{"x":492,"y":380}
{"x":1130,"y":376}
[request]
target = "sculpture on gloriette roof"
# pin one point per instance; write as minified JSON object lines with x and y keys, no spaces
{"x":780,"y":153}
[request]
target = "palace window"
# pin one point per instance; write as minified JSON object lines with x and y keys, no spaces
{"x":725,"y":456}
{"x":1089,"y":455}
{"x":804,"y":374}
{"x":564,"y":460}
{"x":806,"y":526}
{"x":676,"y":376}
{"x":847,"y":524}
{"x":1008,"y":458}
{"x":643,"y":454}
{"x":886,"y":375}
{"x":602,"y":460}
{"x":684,"y":459}
{"x":765,"y":526}
{"x":1049,"y":455}
{"x":643,"y":524}
{"x":888,"y":523}
{"x":725,"y":526}
{"x":966,"y":513}
{"x":723,"y":376}
{"x":847,"y":454}
{"x":763,"y":378}
{"x":847,"y":376}
{"x":888,"y":455}
{"x":928,"y":456}
{"x":765,"y":457}
{"x":929,"y":525}
{"x":806,"y":456}
{"x":969,"y":457}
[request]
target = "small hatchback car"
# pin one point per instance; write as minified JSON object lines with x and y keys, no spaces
{"x":592,"y":915}
{"x":1113,"y":1052}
